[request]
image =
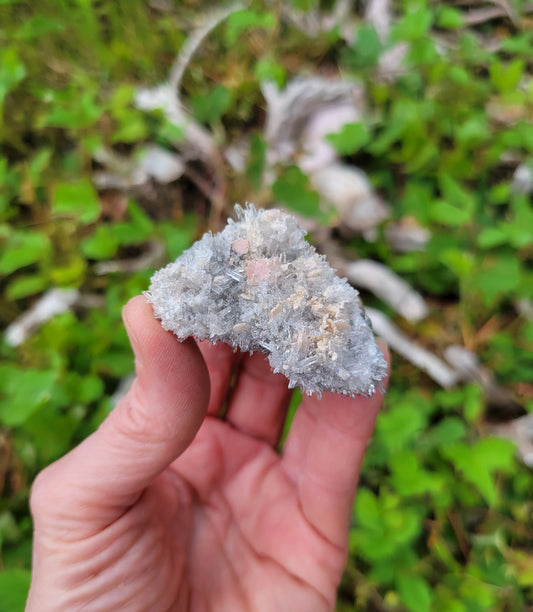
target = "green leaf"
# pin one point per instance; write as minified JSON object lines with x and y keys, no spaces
{"x":83,"y":389}
{"x":450,"y":18}
{"x":71,"y":273}
{"x":459,"y":262}
{"x":101,"y":245}
{"x":26,"y":285}
{"x":39,"y":162}
{"x":351,"y":138}
{"x":491,"y":236}
{"x":479,"y":463}
{"x":170,"y":132}
{"x":459,"y":75}
{"x":304,"y":5}
{"x":366,"y":50}
{"x":525,"y":131}
{"x":178,"y":237}
{"x":399,"y":425}
{"x":12,"y":71}
{"x":519,"y":44}
{"x":448,"y":214}
{"x":520,"y":230}
{"x":14,"y":587}
{"x":474,"y":131}
{"x":417,"y":200}
{"x":115,"y":363}
{"x":132,"y":126}
{"x":367,"y":509}
{"x":498,"y":277}
{"x":404,"y":117}
{"x":77,"y":199}
{"x":500,"y":193}
{"x":292,"y":189}
{"x":409,"y":477}
{"x":52,"y":429}
{"x":72,"y":110}
{"x":211,"y":107}
{"x":295,"y":401}
{"x":247,"y":19}
{"x":24,"y":392}
{"x":256,"y":160}
{"x":267,"y":69}
{"x":122,"y":97}
{"x":414,"y":24}
{"x":450,"y":430}
{"x":415,"y":593}
{"x":38,"y":25}
{"x":23,"y":249}
{"x":455,"y":193}
{"x":506,"y":77}
{"x":384,"y":527}
{"x":423,"y":52}
{"x":136,"y":230}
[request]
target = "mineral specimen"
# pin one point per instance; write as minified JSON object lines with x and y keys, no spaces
{"x":259,"y":286}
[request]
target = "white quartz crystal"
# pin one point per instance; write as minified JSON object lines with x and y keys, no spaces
{"x":259,"y":286}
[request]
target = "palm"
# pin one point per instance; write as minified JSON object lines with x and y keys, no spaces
{"x":230,"y":524}
{"x":249,"y":545}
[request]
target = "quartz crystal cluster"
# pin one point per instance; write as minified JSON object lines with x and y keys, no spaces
{"x":259,"y":286}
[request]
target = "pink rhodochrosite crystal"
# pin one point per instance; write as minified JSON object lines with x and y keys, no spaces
{"x":259,"y":286}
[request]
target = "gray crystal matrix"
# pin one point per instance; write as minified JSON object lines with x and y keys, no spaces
{"x":259,"y":286}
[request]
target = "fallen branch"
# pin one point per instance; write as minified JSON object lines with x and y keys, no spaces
{"x":152,"y":162}
{"x":53,"y":302}
{"x":193,"y":42}
{"x":386,"y":285}
{"x":420,"y":357}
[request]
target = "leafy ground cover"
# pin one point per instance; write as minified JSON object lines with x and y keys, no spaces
{"x":443,"y":518}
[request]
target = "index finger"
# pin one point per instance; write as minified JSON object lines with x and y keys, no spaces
{"x":220,"y":360}
{"x":259,"y":401}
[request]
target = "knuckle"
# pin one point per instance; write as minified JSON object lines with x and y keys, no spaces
{"x":131,"y":416}
{"x":137,"y":420}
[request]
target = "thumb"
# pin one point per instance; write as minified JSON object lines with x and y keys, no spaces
{"x":149,"y":428}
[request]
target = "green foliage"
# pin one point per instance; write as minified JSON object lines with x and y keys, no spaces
{"x":366,"y":50}
{"x":421,"y":457}
{"x":22,"y":249}
{"x":12,"y":71}
{"x":267,"y":69}
{"x":256,"y":162}
{"x":25,"y":390}
{"x":439,"y":522}
{"x":209,"y":108}
{"x":450,"y":18}
{"x":178,"y":238}
{"x":415,"y":23}
{"x":14,"y":585}
{"x":76,"y":199}
{"x":292,"y":189}
{"x":351,"y":138}
{"x":415,"y":593}
{"x":241,"y":22}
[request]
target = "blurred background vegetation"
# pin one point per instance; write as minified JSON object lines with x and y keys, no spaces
{"x":443,"y":518}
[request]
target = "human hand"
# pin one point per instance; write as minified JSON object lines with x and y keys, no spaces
{"x":171,"y":506}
